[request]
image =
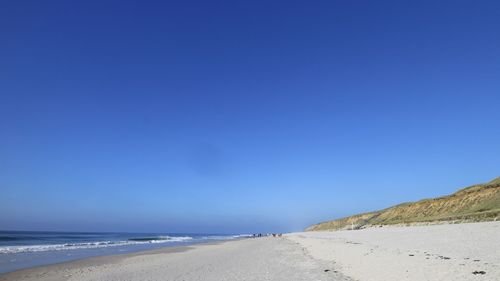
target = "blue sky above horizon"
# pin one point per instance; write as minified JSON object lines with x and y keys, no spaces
{"x":234,"y":116}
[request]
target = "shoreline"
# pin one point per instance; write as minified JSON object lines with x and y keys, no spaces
{"x":61,"y":247}
{"x":265,"y":258}
{"x":109,"y":258}
{"x":88,"y":262}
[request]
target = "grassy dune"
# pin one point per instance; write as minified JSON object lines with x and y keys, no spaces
{"x":475,"y":203}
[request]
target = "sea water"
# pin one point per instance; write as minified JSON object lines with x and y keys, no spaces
{"x":23,"y":249}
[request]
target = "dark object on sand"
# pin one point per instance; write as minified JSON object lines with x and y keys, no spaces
{"x":479,"y":272}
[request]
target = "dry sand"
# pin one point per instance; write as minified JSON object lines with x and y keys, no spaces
{"x":418,"y":253}
{"x":438,"y":252}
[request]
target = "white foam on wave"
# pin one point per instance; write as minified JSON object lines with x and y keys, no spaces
{"x":242,"y":236}
{"x":164,"y":239}
{"x":226,"y":237}
{"x":87,"y":245}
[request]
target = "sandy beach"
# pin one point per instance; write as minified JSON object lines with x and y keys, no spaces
{"x":248,"y":259}
{"x":437,"y":252}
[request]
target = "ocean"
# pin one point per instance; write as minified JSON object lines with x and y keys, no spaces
{"x":24,"y":249}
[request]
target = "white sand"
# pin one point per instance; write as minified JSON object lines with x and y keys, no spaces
{"x":418,"y":253}
{"x":250,"y":259}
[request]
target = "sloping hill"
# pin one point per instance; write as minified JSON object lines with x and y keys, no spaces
{"x":475,"y":203}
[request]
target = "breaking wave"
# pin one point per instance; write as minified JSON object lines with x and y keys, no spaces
{"x":91,"y":245}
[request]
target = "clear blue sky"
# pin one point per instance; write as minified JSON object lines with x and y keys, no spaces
{"x":240,"y":116}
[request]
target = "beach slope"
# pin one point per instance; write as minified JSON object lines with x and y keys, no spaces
{"x":480,"y":202}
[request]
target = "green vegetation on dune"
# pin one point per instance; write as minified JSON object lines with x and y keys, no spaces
{"x":475,"y":203}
